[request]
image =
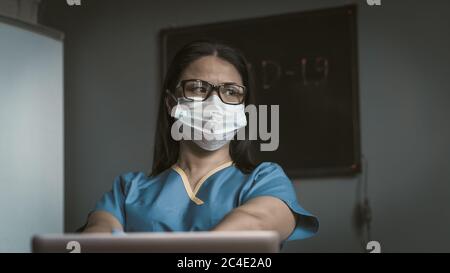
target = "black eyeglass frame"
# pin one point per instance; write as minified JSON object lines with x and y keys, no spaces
{"x":211,"y":88}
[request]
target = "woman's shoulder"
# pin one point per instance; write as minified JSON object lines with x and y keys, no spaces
{"x":267,"y":171}
{"x":267,"y":168}
{"x":137,"y":178}
{"x":268,"y":179}
{"x":133,"y":176}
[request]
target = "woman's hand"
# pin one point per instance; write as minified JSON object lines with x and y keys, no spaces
{"x":260,"y":213}
{"x":102,"y":222}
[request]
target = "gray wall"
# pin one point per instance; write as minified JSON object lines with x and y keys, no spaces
{"x":112,"y":75}
{"x":25,"y":10}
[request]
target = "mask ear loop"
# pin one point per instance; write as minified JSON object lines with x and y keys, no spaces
{"x":171,"y":95}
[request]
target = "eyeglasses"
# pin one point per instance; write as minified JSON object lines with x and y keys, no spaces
{"x":198,"y":90}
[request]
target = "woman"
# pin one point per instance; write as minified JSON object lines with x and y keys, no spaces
{"x":204,"y":183}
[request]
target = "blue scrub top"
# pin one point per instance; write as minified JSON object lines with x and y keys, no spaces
{"x":167,"y":202}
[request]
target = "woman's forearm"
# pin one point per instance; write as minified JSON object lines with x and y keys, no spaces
{"x":262,"y":213}
{"x":98,"y":228}
{"x":102,"y":222}
{"x":240,"y":220}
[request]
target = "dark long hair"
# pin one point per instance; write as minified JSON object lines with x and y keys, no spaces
{"x":166,"y":149}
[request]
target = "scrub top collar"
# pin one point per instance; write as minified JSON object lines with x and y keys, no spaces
{"x":193,"y":192}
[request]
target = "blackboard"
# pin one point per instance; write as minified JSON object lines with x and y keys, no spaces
{"x":306,"y":62}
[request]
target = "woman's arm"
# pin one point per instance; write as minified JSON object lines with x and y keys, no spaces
{"x":260,"y":213}
{"x":101,"y":222}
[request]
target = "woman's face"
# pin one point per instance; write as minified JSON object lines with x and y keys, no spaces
{"x":211,"y":69}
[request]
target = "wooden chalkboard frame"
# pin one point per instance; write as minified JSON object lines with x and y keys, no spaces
{"x":348,"y":170}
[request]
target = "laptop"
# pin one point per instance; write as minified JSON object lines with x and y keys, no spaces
{"x":160,"y":242}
